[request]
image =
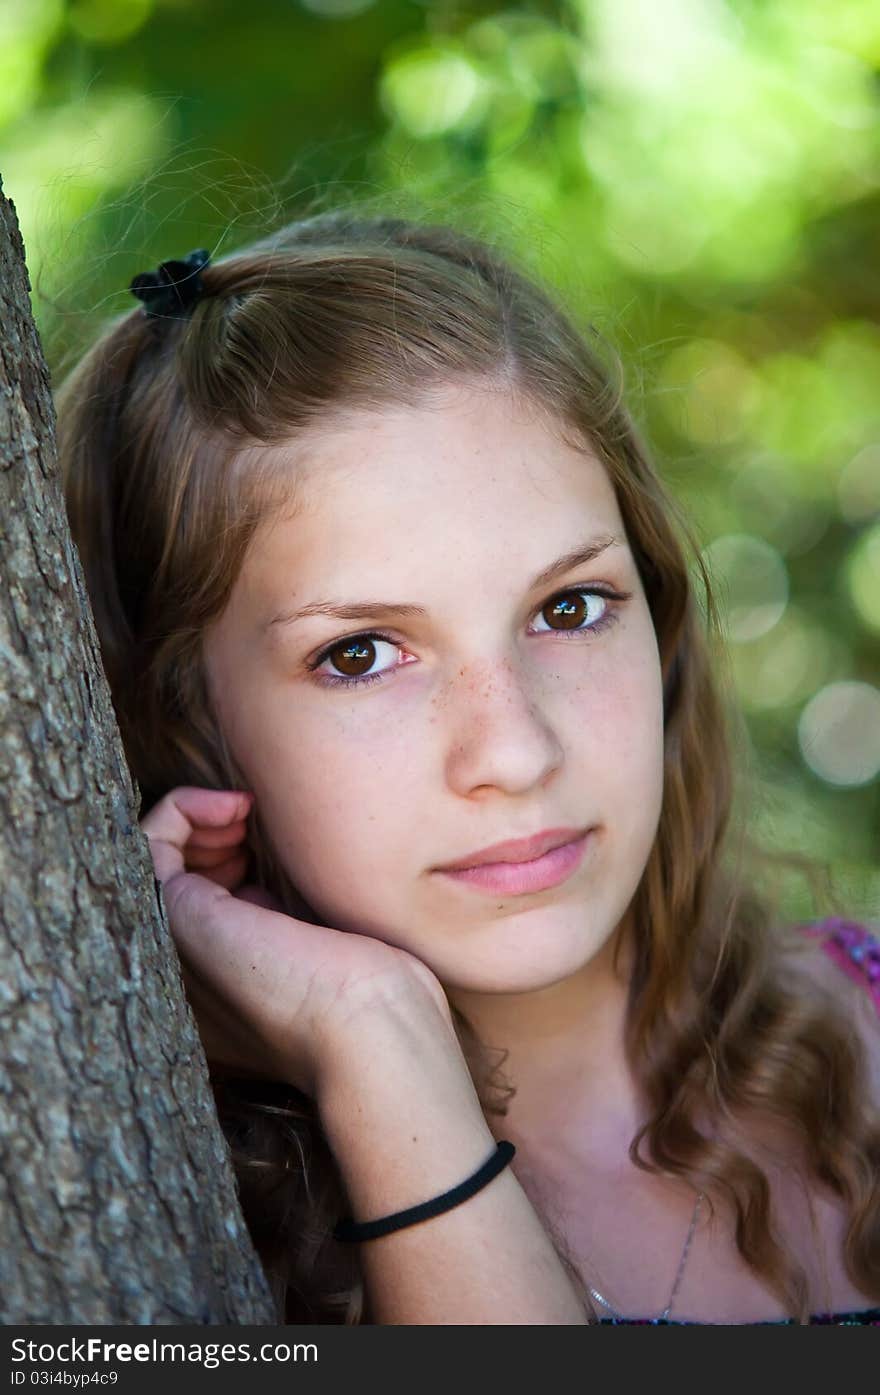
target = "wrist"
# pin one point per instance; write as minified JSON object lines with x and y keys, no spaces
{"x":391,"y":1020}
{"x":403,"y":1079}
{"x":397,"y":1032}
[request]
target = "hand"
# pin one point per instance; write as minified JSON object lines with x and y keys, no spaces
{"x":271,"y":994}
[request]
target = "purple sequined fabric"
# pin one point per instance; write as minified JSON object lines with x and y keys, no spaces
{"x":854,"y":947}
{"x":866,"y":1317}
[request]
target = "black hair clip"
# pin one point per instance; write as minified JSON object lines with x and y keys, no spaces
{"x":174,"y":288}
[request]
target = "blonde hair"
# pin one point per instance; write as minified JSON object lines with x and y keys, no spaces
{"x":340,"y":312}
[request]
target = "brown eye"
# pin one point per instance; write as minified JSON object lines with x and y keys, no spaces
{"x":354,"y":657}
{"x":350,"y":658}
{"x":580,"y":613}
{"x":571,"y":610}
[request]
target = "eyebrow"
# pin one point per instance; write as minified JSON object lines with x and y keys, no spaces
{"x":363,"y":610}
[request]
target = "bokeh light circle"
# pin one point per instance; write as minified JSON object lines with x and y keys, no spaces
{"x":858,"y":489}
{"x":751,"y":584}
{"x":863,"y":577}
{"x":785,"y":667}
{"x":431,"y":91}
{"x":839,"y":733}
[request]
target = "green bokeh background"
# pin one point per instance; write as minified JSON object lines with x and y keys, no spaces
{"x":697,"y":178}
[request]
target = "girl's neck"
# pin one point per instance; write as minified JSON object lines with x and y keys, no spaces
{"x":566,"y":1057}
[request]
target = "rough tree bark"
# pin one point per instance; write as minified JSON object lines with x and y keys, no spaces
{"x":117,"y":1197}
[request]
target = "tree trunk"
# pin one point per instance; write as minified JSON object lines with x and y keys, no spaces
{"x":117,"y":1196}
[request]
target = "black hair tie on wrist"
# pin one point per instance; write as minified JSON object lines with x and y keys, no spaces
{"x":371,"y":1230}
{"x":174,"y":288}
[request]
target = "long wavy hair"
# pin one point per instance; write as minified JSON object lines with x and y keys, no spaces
{"x":164,"y":494}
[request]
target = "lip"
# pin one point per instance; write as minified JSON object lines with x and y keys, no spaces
{"x":516,"y":849}
{"x":524,"y":877}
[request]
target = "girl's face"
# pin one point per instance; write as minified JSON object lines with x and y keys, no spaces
{"x":503,"y":692}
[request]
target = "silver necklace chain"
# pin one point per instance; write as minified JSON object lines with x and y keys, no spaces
{"x":597,"y":1296}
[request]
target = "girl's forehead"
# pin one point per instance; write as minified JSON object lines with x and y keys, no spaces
{"x":416,"y":556}
{"x":472,"y":457}
{"x":428,"y":507}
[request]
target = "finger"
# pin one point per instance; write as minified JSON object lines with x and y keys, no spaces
{"x":189,"y":808}
{"x":197,"y":859}
{"x":202,"y":837}
{"x":229,"y":874}
{"x":171,"y":822}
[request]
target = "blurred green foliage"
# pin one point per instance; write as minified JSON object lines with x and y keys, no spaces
{"x":698,"y":178}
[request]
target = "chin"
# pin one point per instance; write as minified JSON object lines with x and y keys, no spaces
{"x":520,"y":969}
{"x":506,"y":985}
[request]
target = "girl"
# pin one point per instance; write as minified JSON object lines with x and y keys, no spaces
{"x":400,"y":630}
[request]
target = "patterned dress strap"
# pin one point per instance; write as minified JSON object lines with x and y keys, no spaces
{"x":853,"y":947}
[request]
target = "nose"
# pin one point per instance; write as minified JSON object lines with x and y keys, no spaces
{"x":499,"y":735}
